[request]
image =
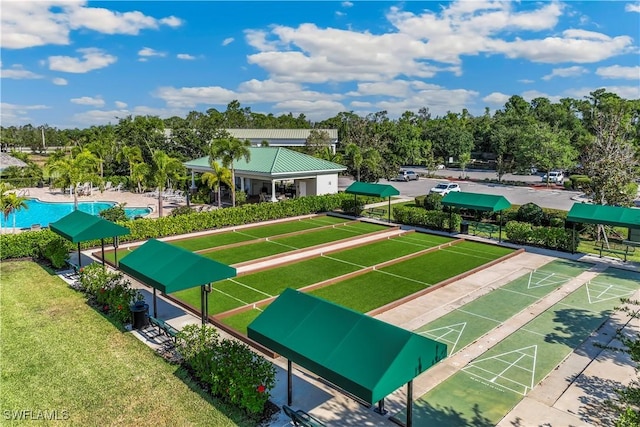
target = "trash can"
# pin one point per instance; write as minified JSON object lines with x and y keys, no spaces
{"x":464,"y":227}
{"x":139,"y":315}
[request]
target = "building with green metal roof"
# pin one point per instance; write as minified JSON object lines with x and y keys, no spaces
{"x":269,"y":166}
{"x":282,"y":137}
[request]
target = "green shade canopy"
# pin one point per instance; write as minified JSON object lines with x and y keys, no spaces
{"x":368,"y":189}
{"x":364,"y":356}
{"x":601,"y":214}
{"x":476,"y":201}
{"x":170,"y":269}
{"x":79,"y":227}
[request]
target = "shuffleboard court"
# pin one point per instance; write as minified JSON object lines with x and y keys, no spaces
{"x":377,"y":288}
{"x":281,"y":245}
{"x":467,"y":323}
{"x":487,"y":388}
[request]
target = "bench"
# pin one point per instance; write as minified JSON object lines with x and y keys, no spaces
{"x":376,"y":212}
{"x":301,"y":418}
{"x":615,"y":248}
{"x":485,"y":228}
{"x":164,"y":328}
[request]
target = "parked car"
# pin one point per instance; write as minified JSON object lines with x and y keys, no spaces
{"x":407,"y":175}
{"x":444,"y":188}
{"x":555,"y":177}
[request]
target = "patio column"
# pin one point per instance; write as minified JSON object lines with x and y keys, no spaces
{"x":289,"y":384}
{"x":410,"y":403}
{"x":273,"y":191}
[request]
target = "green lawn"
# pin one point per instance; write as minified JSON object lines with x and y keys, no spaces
{"x":60,"y":354}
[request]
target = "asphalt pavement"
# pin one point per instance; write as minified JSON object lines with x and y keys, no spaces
{"x":551,"y":197}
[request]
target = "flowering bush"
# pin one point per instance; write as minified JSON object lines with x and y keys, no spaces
{"x":233,"y":371}
{"x":110,"y":291}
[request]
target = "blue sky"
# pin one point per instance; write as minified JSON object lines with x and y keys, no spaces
{"x":76,"y":63}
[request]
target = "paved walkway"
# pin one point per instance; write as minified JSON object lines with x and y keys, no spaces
{"x":565,"y":397}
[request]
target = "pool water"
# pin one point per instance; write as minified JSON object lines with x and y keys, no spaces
{"x":45,"y":212}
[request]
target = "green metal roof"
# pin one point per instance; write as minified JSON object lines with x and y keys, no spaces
{"x":80,"y":226}
{"x":274,"y":161}
{"x":368,"y":189}
{"x":170,"y":269}
{"x":302,"y":134}
{"x":477,"y":201}
{"x":603,"y":214}
{"x":365,"y":356}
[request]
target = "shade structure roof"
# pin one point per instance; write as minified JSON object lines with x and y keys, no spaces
{"x":364,"y":356}
{"x":603,"y":214}
{"x":6,"y":160}
{"x":80,"y":226}
{"x":369,"y":189}
{"x":477,"y":201}
{"x":279,"y":133}
{"x":170,"y":269}
{"x":274,"y":161}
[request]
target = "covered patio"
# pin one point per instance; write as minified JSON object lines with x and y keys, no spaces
{"x":479,"y":202}
{"x":171,"y":269}
{"x":365,"y":357}
{"x":373,"y":190}
{"x":615,"y":216}
{"x":80,"y":227}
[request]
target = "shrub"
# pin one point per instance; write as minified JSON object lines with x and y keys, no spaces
{"x":435,"y":220}
{"x":29,"y":244}
{"x":56,"y":251}
{"x":579,"y":182}
{"x":353,"y":207}
{"x":548,"y":237}
{"x":531,"y":213}
{"x":419,"y":200}
{"x":114,"y":213}
{"x":433,"y":202}
{"x":234,"y":372}
{"x":518,"y":232}
{"x":182,"y":210}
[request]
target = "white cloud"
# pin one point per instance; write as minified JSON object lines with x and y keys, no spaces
{"x":92,"y":59}
{"x":25,"y":24}
{"x":227,"y":41}
{"x":526,"y":81}
{"x":15,"y":114}
{"x":346,"y":4}
{"x":339,"y":13}
{"x":59,"y":81}
{"x":496,"y":98}
{"x":120,"y":104}
{"x":185,"y":56}
{"x":17,"y":72}
{"x":566,"y":72}
{"x":87,"y":100}
{"x":147,"y":52}
{"x":632,"y":7}
{"x":619,"y":72}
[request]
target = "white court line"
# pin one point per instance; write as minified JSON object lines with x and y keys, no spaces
{"x":519,"y":293}
{"x":247,"y":234}
{"x":230,"y":296}
{"x":452,"y":250}
{"x":604,"y":291}
{"x":428,"y":243}
{"x":249,"y":287}
{"x":532,"y":332}
{"x":478,"y":315}
{"x":282,"y":244}
{"x":520,"y":393}
{"x":343,"y":261}
{"x":402,"y":277}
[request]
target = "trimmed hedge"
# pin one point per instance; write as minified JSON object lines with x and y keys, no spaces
{"x":435,"y":220}
{"x":32,"y":244}
{"x":523,"y":233}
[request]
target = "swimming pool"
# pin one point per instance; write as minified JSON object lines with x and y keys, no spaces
{"x":45,"y":212}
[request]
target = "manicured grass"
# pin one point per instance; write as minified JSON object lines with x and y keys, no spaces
{"x":280,"y":245}
{"x":60,"y":354}
{"x":377,"y":288}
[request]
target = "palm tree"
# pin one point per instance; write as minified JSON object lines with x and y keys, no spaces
{"x":354,"y":155}
{"x":131,"y":155}
{"x":12,"y":203}
{"x":229,"y":150}
{"x":139,"y":172}
{"x":219,"y":175}
{"x":69,"y":172}
{"x":165,"y":168}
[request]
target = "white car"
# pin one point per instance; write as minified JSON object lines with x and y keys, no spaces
{"x":555,"y":177}
{"x":407,"y":175}
{"x":445,"y":188}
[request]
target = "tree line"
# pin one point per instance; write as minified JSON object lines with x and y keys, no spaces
{"x":598,"y":136}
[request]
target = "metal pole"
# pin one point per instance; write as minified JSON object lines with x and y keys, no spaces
{"x":380,"y":409}
{"x":103,"y":264}
{"x":410,"y":403}
{"x":79,"y":257}
{"x":155,"y":304}
{"x":289,"y":384}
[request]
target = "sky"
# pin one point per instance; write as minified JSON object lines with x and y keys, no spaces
{"x":75,"y":64}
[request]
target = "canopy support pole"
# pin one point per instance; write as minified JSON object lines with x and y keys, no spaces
{"x":103,"y":262}
{"x":380,"y":409}
{"x":79,"y":257}
{"x":155,"y":304}
{"x":289,"y":384}
{"x":204,"y":303}
{"x":410,"y":404}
